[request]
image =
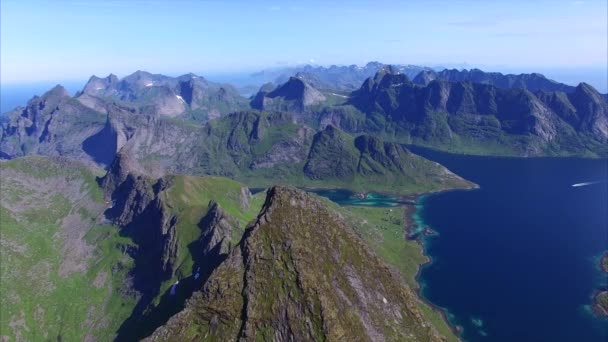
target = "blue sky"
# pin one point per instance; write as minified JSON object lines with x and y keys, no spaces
{"x":63,"y":40}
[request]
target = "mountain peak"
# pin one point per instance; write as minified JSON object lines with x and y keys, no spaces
{"x":327,"y":284}
{"x":295,"y":94}
{"x":57,"y":91}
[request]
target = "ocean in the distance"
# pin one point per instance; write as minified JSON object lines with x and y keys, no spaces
{"x":14,"y":95}
{"x":516,"y":260}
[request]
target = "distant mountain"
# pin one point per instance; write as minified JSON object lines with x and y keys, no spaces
{"x":187,"y":95}
{"x":295,"y":95}
{"x":532,"y":82}
{"x":300,"y":273}
{"x":255,"y":147}
{"x":53,"y":124}
{"x":477,"y":118}
{"x":340,"y":78}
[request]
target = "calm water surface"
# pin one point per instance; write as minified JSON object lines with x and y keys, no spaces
{"x":516,"y":260}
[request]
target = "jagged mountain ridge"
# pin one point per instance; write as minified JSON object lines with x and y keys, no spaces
{"x":171,"y":96}
{"x":300,"y":273}
{"x":532,"y":82}
{"x":460,"y":116}
{"x":334,"y":77}
{"x":515,"y":121}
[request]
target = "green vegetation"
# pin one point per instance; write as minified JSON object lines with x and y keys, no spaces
{"x":53,"y":244}
{"x":301,"y":272}
{"x":264,"y":149}
{"x":384,"y":229}
{"x":188,"y":199}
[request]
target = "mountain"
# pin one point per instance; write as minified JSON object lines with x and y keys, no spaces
{"x":99,"y":259}
{"x":56,"y":124}
{"x":300,"y":273}
{"x":261,"y":149}
{"x":115,"y":257}
{"x":53,"y":124}
{"x":338,"y":157}
{"x":532,"y":82}
{"x":338,"y":78}
{"x":295,"y":95}
{"x":187,"y":95}
{"x":56,"y":242}
{"x":477,"y":118}
{"x":257,"y":148}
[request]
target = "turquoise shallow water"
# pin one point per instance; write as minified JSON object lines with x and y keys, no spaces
{"x":346,"y":197}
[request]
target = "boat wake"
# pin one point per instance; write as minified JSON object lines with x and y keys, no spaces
{"x":586,"y":183}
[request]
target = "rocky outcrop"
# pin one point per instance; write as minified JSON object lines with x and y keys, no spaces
{"x":300,"y":273}
{"x":217,"y":229}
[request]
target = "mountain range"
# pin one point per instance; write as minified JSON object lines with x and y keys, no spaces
{"x":480,"y":118}
{"x":129,"y":207}
{"x":334,"y":77}
{"x":532,"y":82}
{"x":187,"y":95}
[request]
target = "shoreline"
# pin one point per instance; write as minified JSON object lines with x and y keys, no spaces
{"x":411,"y":211}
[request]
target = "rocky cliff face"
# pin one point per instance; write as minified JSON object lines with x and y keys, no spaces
{"x":300,"y":273}
{"x":187,"y":95}
{"x":443,"y":112}
{"x":53,"y":124}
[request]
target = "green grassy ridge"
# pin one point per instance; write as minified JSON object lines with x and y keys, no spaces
{"x":53,"y":306}
{"x":188,"y":199}
{"x":304,"y":256}
{"x":237,"y":141}
{"x":383,"y":229}
{"x":68,"y":305}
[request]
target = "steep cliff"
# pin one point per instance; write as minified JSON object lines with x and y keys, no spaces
{"x":300,"y":273}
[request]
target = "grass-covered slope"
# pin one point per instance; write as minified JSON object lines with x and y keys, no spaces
{"x":94,"y":264}
{"x":301,"y":273}
{"x":63,"y":272}
{"x":262,"y":149}
{"x":385,"y":230}
{"x":366,"y":163}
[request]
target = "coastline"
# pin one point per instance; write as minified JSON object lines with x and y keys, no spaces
{"x":410,"y":227}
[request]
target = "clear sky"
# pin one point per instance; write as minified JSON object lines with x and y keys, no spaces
{"x":62,"y":40}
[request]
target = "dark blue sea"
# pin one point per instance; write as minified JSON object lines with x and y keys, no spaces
{"x":517,"y":259}
{"x":15,"y":95}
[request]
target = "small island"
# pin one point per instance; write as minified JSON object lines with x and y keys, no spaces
{"x":600,"y":300}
